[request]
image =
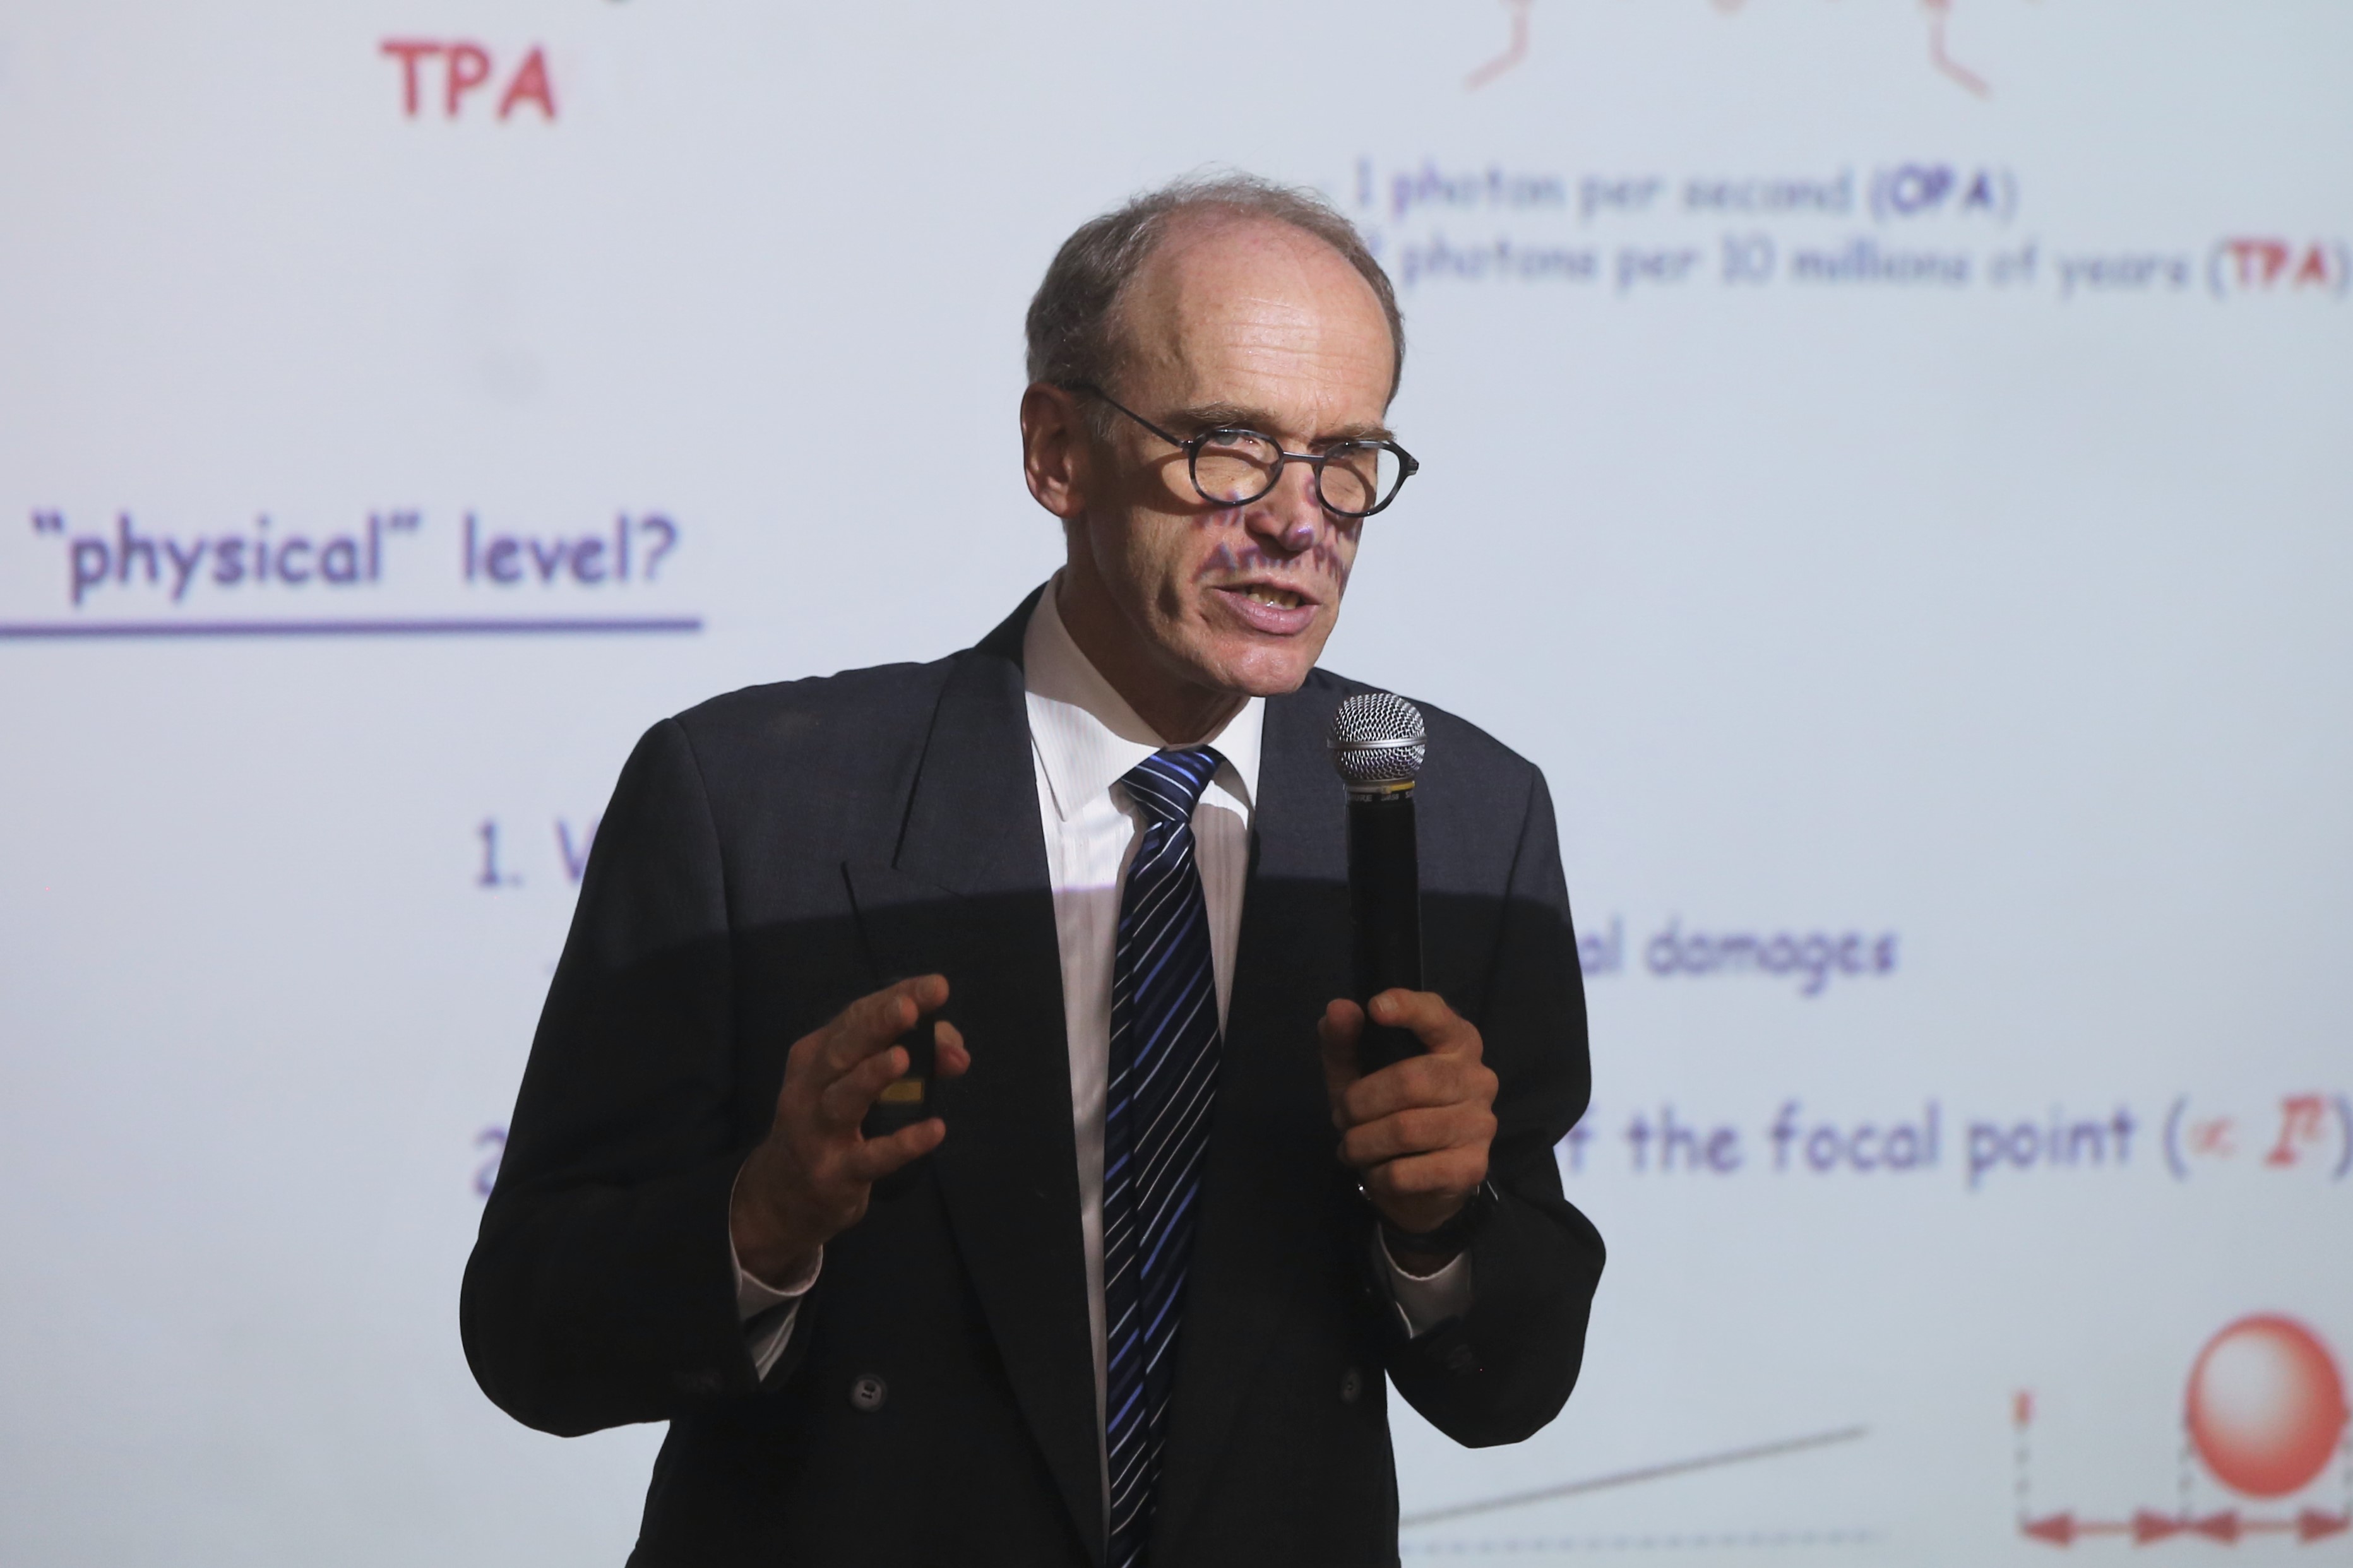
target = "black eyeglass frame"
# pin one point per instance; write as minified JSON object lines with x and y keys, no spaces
{"x":1408,"y":465}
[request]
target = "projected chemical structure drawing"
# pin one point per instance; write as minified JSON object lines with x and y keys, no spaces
{"x":1514,"y":53}
{"x":2264,"y":1414}
{"x":1937,"y":13}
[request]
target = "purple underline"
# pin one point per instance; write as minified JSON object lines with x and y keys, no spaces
{"x":398,"y":628}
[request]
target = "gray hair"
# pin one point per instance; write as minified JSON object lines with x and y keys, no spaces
{"x":1073,"y":328}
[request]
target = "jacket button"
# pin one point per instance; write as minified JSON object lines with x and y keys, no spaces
{"x":1462,"y":1361}
{"x":868,"y":1392}
{"x":1352,"y":1385}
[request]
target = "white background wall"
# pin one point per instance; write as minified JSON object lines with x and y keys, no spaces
{"x":1968,"y":567}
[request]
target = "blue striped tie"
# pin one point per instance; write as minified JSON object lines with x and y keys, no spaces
{"x":1164,"y":1074}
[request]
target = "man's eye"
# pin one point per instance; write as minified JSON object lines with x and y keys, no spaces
{"x":1240,"y":441}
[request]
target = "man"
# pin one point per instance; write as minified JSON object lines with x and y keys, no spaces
{"x":1128,"y":1296}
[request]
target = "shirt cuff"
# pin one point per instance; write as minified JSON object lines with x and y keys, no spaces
{"x":755,"y":1295}
{"x":768,"y":1312}
{"x":1425,"y":1301}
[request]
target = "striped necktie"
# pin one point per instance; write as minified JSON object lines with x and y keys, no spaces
{"x":1164,"y":1071}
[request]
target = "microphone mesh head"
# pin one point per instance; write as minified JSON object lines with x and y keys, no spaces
{"x":1378,"y":739}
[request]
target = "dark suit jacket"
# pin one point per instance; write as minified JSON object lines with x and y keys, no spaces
{"x":775,"y":853}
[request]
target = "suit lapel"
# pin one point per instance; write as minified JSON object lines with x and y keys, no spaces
{"x":1265,"y":1218}
{"x":1009,"y":1170}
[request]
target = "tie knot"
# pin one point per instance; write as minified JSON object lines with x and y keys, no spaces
{"x":1168,"y":784}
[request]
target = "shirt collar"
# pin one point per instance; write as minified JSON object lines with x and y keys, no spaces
{"x":1086,"y":735}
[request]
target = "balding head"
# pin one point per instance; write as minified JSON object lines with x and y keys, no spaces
{"x":1076,"y":320}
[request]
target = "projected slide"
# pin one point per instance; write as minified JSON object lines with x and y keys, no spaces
{"x":1885,"y":463}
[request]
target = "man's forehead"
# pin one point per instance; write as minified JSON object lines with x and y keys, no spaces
{"x":1210,"y":263}
{"x":1248,"y":297}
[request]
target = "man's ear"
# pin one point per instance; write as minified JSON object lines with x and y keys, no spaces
{"x":1056,"y":449}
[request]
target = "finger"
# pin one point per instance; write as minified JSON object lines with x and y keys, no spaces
{"x":1339,"y":1029}
{"x":1438,"y":1026}
{"x":800,"y":1062}
{"x":1419,"y":1081}
{"x":878,"y":1157}
{"x":1412,"y":1133}
{"x":846,"y":1100}
{"x":950,"y":1058}
{"x":1403,"y":1135}
{"x":1447,"y":1173}
{"x":867,"y":1025}
{"x":875,"y":1020}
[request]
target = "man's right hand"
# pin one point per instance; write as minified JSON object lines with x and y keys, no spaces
{"x":810,"y":1178}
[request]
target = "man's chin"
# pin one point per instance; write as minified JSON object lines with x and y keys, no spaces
{"x":1260,"y":671}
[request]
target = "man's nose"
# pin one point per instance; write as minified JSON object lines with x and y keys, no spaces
{"x":1290,"y":516}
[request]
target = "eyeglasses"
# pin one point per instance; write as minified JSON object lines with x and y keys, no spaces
{"x":1233,"y":466}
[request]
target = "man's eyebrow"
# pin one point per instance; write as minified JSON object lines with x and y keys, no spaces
{"x":1235,"y":416}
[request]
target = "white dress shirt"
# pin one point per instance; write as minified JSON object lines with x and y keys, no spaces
{"x":1083,"y":739}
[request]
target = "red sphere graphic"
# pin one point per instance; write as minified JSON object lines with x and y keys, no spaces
{"x":2266,"y":1406}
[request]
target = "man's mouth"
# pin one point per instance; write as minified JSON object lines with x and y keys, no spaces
{"x":1268,"y":608}
{"x":1280,"y":598}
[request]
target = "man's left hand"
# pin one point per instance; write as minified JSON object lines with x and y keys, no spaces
{"x":1416,"y":1132}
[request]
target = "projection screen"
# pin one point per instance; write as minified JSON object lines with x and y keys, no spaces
{"x":1884,"y":462}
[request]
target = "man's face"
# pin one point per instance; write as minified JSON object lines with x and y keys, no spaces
{"x":1234,"y":322}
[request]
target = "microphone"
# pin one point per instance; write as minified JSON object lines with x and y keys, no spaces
{"x":1377,"y":743}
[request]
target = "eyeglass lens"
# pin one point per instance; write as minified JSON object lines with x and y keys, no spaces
{"x":1236,"y":467}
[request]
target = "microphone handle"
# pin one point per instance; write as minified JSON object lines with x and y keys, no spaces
{"x":1384,"y":911}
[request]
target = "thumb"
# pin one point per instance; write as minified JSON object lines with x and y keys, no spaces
{"x":1339,"y":1029}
